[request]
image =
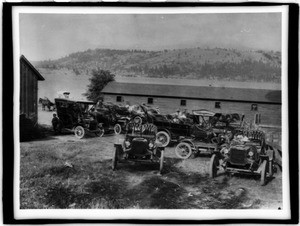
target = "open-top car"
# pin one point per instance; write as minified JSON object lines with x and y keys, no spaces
{"x":218,"y":122}
{"x":76,"y":116}
{"x":245,"y":154}
{"x":113,"y":117}
{"x":139,"y":145}
{"x":167,"y":130}
{"x":208,"y":131}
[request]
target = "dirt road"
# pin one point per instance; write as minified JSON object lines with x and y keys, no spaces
{"x":64,"y":172}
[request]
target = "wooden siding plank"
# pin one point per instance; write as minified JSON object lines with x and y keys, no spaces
{"x":270,"y":114}
{"x":28,"y":90}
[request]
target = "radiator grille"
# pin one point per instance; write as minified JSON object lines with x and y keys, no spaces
{"x":238,"y":156}
{"x":139,"y":146}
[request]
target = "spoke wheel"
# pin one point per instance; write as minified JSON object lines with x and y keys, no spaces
{"x":215,"y":140}
{"x":161,"y":162}
{"x":137,"y":120}
{"x":213,"y":166}
{"x":115,"y":159}
{"x":117,"y":129}
{"x":263,"y":173}
{"x":79,"y":132}
{"x":100,"y":133}
{"x":163,"y":138}
{"x":183,"y":150}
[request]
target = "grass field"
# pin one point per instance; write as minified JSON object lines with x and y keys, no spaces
{"x":64,"y":172}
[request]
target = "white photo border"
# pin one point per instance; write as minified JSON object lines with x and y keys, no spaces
{"x":107,"y":214}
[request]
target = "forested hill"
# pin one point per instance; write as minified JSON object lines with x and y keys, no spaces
{"x":195,"y":63}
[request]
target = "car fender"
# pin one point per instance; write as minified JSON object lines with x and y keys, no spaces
{"x":160,"y":147}
{"x":263,"y":157}
{"x":119,"y":143}
{"x":189,"y":141}
{"x":165,"y":130}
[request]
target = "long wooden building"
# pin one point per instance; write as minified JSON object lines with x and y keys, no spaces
{"x":260,"y":106}
{"x":29,"y":78}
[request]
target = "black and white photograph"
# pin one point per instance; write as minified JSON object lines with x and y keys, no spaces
{"x":151,"y":113}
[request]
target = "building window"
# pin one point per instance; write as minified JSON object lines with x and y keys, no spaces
{"x":217,"y":104}
{"x":254,"y":107}
{"x":257,"y":119}
{"x":119,"y":99}
{"x":150,"y":100}
{"x":182,"y":102}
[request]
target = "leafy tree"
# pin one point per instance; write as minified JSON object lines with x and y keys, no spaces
{"x":98,"y":81}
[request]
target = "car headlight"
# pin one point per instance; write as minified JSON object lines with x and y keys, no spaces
{"x":226,"y":151}
{"x":251,"y":153}
{"x":127,"y":143}
{"x":151,"y":145}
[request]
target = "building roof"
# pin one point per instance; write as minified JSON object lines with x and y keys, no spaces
{"x":73,"y":101}
{"x":194,"y":92}
{"x":38,"y":75}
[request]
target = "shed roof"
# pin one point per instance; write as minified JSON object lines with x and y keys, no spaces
{"x":38,"y":75}
{"x":194,"y":92}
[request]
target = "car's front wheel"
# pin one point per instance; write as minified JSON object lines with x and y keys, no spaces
{"x":79,"y":132}
{"x":213,"y":166}
{"x":163,"y":138}
{"x":115,"y":158}
{"x":100,"y":132}
{"x":117,"y":129}
{"x":263,"y":173}
{"x":161,"y":161}
{"x":183,"y":150}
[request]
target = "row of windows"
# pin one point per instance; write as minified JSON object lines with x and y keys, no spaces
{"x":254,"y":107}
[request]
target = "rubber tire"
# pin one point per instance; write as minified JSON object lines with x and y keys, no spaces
{"x":139,"y":118}
{"x":263,"y":173}
{"x":167,"y":136}
{"x":101,"y":133}
{"x":161,"y":161}
{"x":115,"y":159}
{"x":117,"y":129}
{"x":213,"y":169}
{"x":79,"y":132}
{"x":215,"y":140}
{"x":271,"y":168}
{"x":188,"y":146}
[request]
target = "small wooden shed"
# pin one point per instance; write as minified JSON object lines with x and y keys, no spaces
{"x":29,"y":78}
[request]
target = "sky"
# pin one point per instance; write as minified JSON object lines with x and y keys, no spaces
{"x":51,"y":36}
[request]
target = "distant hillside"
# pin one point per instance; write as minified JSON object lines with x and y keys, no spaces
{"x":196,"y":63}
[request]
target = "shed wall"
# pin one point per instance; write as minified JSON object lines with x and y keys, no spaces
{"x":270,"y":114}
{"x":28,"y":91}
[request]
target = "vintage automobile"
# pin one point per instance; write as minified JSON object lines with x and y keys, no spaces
{"x":208,"y":131}
{"x":139,"y":145}
{"x":76,"y":116}
{"x":217,"y":121}
{"x":245,"y":154}
{"x":167,"y":130}
{"x":113,"y":117}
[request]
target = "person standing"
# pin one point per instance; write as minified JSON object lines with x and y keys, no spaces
{"x":56,"y":124}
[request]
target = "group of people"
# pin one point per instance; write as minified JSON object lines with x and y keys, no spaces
{"x":179,"y":115}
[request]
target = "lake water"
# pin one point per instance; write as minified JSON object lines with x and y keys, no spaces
{"x":65,"y":80}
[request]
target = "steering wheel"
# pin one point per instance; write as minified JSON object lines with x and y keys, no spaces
{"x":199,"y":127}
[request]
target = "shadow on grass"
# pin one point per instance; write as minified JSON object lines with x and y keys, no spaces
{"x":140,"y":167}
{"x":96,"y":186}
